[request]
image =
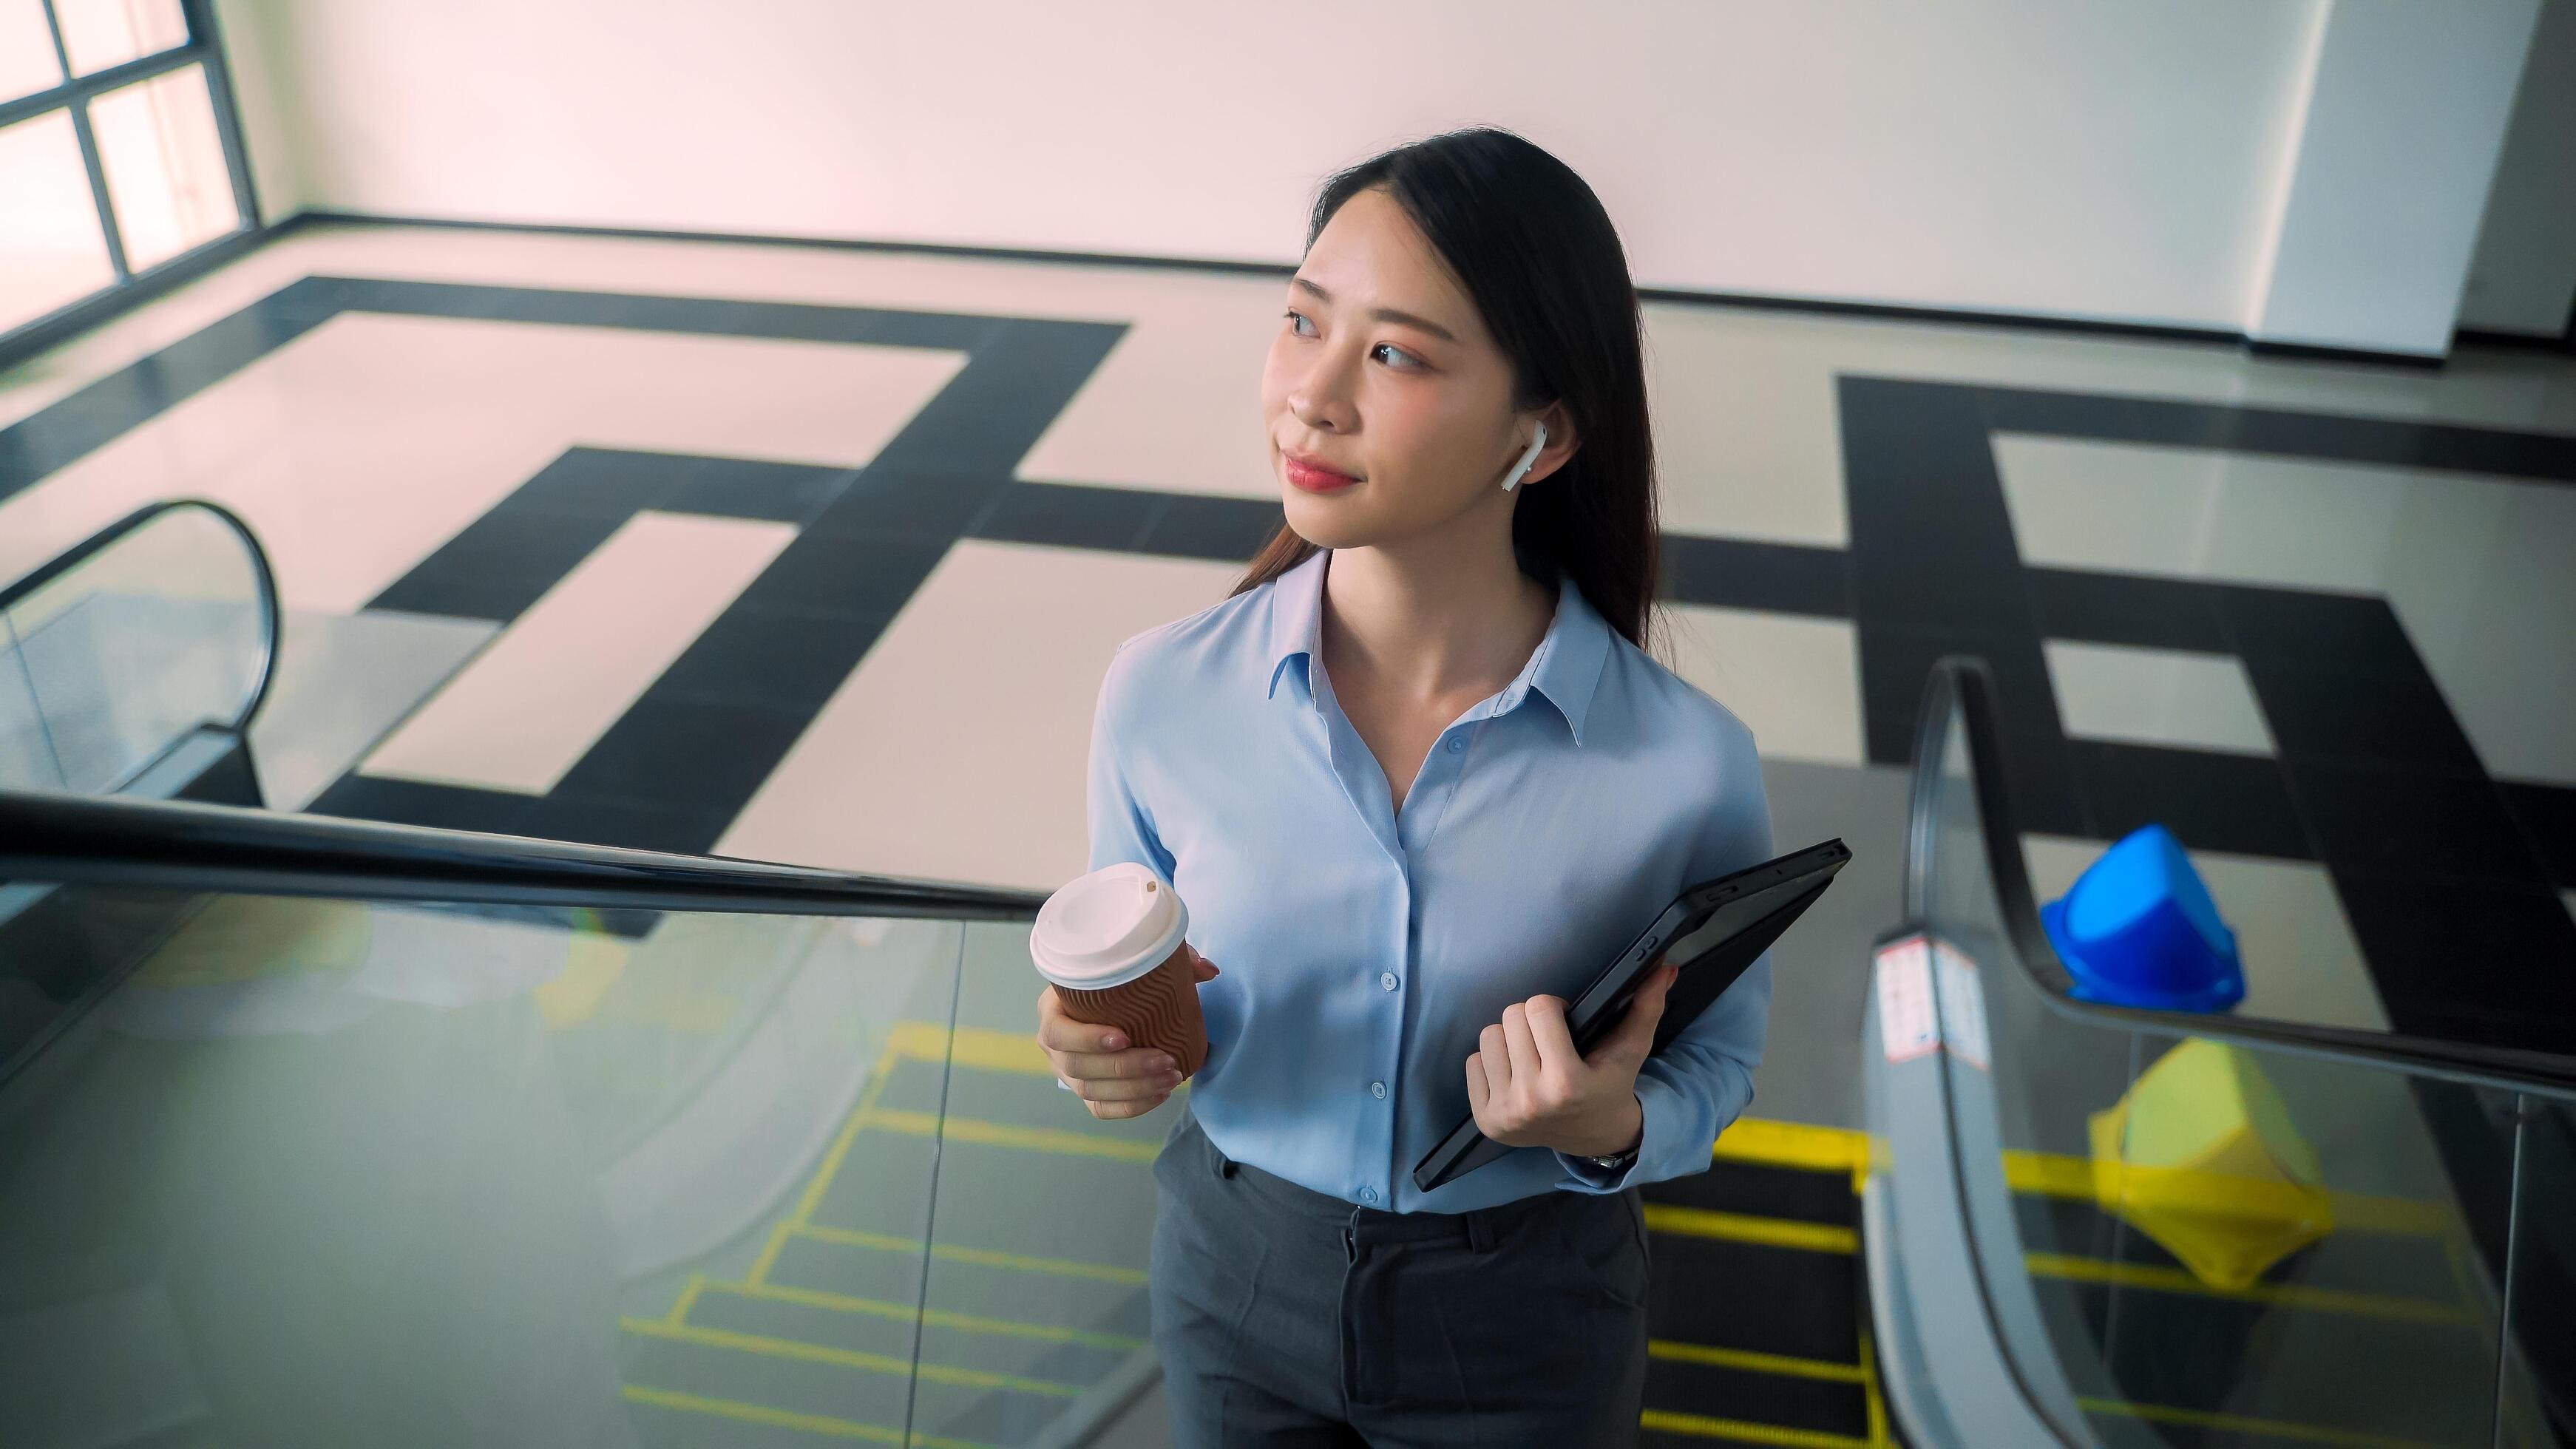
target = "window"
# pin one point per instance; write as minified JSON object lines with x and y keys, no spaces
{"x":119,"y":154}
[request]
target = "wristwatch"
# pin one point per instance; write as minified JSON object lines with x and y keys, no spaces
{"x":1620,"y":1163}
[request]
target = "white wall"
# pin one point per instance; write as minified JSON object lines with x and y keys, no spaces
{"x":2523,"y":275}
{"x":2399,"y":143}
{"x":2097,"y":159}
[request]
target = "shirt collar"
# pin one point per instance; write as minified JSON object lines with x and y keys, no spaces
{"x":1565,"y":668}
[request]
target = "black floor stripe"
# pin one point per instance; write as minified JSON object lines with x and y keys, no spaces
{"x":2333,"y":437}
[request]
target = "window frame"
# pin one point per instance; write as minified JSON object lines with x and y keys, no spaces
{"x":204,"y":48}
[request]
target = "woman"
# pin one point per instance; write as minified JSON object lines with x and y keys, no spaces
{"x":1413,"y":777}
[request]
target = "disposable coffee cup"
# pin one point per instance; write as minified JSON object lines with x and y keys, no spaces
{"x":1110,"y":943}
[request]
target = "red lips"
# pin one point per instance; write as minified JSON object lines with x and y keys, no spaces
{"x":1313,"y":476}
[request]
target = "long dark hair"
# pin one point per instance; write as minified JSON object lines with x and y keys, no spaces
{"x":1539,"y":258}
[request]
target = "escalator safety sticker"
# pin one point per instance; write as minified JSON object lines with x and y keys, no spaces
{"x":1963,"y":1005}
{"x":1909,"y":1024}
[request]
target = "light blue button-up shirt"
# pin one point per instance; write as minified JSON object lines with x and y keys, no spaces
{"x":1363,"y":949}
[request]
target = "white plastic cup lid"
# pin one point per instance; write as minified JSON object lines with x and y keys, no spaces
{"x":1107,"y":928}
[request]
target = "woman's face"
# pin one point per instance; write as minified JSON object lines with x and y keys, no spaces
{"x":1389,"y":407}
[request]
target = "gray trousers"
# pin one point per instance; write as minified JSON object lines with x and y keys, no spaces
{"x":1285,"y":1317}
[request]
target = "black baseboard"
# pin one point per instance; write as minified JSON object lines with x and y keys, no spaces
{"x":2308,"y":352}
{"x":843,"y":244}
{"x":1947,"y":316}
{"x":2514,"y":341}
{"x":55,"y":328}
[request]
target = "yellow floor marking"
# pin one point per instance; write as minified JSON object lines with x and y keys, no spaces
{"x":1751,"y":1362}
{"x":934,"y":1317}
{"x":2240,"y":1424}
{"x":1058,"y":1140}
{"x":1701,"y":1426}
{"x":785,"y":1419}
{"x":761,"y":1343}
{"x":2287,"y":1295}
{"x":982,"y":1257}
{"x":1744,"y":1228}
{"x":2064,"y":1175}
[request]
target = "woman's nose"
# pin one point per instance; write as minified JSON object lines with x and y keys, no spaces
{"x":1315,"y":412}
{"x":1322,"y":400}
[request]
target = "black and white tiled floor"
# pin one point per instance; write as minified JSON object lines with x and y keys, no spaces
{"x":818,"y":556}
{"x":815,"y":555}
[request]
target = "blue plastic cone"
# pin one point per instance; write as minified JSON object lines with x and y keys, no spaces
{"x":2139,"y":929}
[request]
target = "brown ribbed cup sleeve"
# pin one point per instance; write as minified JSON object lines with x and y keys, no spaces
{"x":1159,"y":1009}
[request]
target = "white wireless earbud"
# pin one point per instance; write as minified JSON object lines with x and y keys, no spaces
{"x":1521,"y":469}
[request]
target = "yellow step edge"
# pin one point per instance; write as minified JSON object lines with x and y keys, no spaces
{"x":1061,"y":1141}
{"x":823,"y":1424}
{"x":1702,"y":1426}
{"x":980,"y":1047}
{"x":767,"y":1346}
{"x":933,"y":1317}
{"x":2240,"y":1424}
{"x":1752,"y":1362}
{"x":981,"y":1257}
{"x":1794,"y":1144}
{"x":1872,"y":1400}
{"x":1745,"y":1228}
{"x":2156,"y":1278}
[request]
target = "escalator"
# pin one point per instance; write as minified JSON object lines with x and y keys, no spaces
{"x":2368,"y":1239}
{"x":134,"y":664}
{"x":136,"y":661}
{"x":321,"y":1132}
{"x":415,"y":1137}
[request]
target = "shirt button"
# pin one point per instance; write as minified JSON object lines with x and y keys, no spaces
{"x":1457,"y":743}
{"x":1387,"y":980}
{"x":1368,"y":1194}
{"x":1377,"y":1089}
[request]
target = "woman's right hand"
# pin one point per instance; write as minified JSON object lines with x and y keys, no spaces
{"x":1113,"y":1079}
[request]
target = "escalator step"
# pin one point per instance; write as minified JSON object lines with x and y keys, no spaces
{"x":1775,"y":1399}
{"x":1755,"y":1298}
{"x":1799,"y":1194}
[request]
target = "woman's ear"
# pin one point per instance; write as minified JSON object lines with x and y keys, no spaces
{"x":1562,"y":440}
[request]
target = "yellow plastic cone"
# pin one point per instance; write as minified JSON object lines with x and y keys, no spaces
{"x":2200,"y":1156}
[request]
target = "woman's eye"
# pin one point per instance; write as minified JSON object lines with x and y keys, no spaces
{"x":1298,"y":323}
{"x":1394,"y":356}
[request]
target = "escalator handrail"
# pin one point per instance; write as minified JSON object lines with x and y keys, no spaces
{"x":1968,"y":682}
{"x":271,"y":618}
{"x":190,"y":846}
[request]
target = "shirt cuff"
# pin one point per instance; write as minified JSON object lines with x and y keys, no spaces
{"x":1582,"y":1174}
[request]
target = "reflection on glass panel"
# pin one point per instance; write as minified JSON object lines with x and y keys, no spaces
{"x":27,"y":60}
{"x":335,"y":1172}
{"x":2225,"y":1245}
{"x":2537,"y":1402}
{"x":140,"y":644}
{"x":26,"y":754}
{"x":51,"y":251}
{"x":165,"y":165}
{"x":2305,"y":1226}
{"x":101,"y":33}
{"x":1039,"y":1293}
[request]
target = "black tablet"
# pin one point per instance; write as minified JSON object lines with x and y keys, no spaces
{"x":1712,"y":931}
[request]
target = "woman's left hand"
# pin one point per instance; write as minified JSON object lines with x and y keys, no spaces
{"x":1530,"y":1088}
